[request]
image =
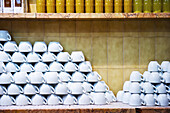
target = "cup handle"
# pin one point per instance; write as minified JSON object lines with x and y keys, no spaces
{"x":69,"y":58}
{"x":92,"y":87}
{"x":44,"y":81}
{"x":75,"y":100}
{"x":159,"y":68}
{"x":40,"y":57}
{"x":27,"y":79}
{"x":61,"y":48}
{"x":30,"y":48}
{"x":21,"y":89}
{"x":52,"y":90}
{"x":37,"y":90}
{"x":44,"y":47}
{"x":82,"y":58}
{"x":143,"y":103}
{"x":9,"y":36}
{"x":29,"y":101}
{"x":69,"y":91}
{"x":45,"y":101}
{"x":62,"y":68}
{"x":16,"y":48}
{"x":4,"y":90}
{"x":107,"y":101}
{"x":155,"y":90}
{"x":142,"y":90}
{"x":25,"y":59}
{"x":107,"y":87}
{"x":18,"y":68}
{"x":99,"y":77}
{"x":114,"y":98}
{"x":77,"y":67}
{"x":167,"y":89}
{"x":157,"y":103}
{"x":85,"y":77}
{"x":59,"y":80}
{"x":54,"y":57}
{"x":47,"y":68}
{"x":9,"y":57}
{"x":84,"y":91}
{"x":162,"y":80}
{"x":12,"y":78}
{"x":60,"y":100}
{"x":91,"y":100}
{"x":70,"y":78}
{"x":4,"y":69}
{"x":13,"y":100}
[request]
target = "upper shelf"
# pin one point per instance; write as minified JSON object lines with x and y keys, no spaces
{"x":82,"y":15}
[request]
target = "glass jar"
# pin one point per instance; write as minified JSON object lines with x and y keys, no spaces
{"x":69,"y":6}
{"x":40,"y":6}
{"x":147,"y":6}
{"x":118,"y":6}
{"x":79,"y":6}
{"x":50,"y":6}
{"x":60,"y":6}
{"x":108,"y":6}
{"x":127,"y":6}
{"x":166,"y":6}
{"x":89,"y":6}
{"x":157,"y":6}
{"x":137,"y":6}
{"x":98,"y":6}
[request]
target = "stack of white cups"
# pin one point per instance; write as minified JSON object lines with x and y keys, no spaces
{"x":150,"y":89}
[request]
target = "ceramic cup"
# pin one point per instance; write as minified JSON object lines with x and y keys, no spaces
{"x":149,"y":100}
{"x":169,"y":67}
{"x":126,"y":96}
{"x":26,"y":67}
{"x":164,"y":66}
{"x":63,"y":57}
{"x":7,"y":100}
{"x":135,"y":100}
{"x":51,"y":78}
{"x":76,"y":88}
{"x":25,"y":46}
{"x":87,"y":87}
{"x":93,"y":77}
{"x":56,"y":67}
{"x":64,"y":76}
{"x":54,"y":100}
{"x":110,"y":96}
{"x":146,"y":76}
{"x":14,"y":89}
{"x":119,"y":96}
{"x":38,"y":100}
{"x":55,"y":47}
{"x":101,"y":86}
{"x":85,"y":67}
{"x":21,"y":78}
{"x":161,"y":88}
{"x":4,"y":35}
{"x":135,"y":87}
{"x":77,"y":56}
{"x":78,"y":77}
{"x":85,"y":99}
{"x":36,"y":78}
{"x":22,"y":100}
{"x":69,"y":100}
{"x":154,"y":66}
{"x":48,"y":57}
{"x":136,"y":76}
{"x":12,"y":67}
{"x":126,"y":86}
{"x":30,"y":89}
{"x":10,"y":46}
{"x":40,"y":47}
{"x":147,"y":87}
{"x":46,"y":89}
{"x":166,"y":77}
{"x":33,"y":57}
{"x":41,"y":67}
{"x":5,"y":57}
{"x":162,"y":100}
{"x":99,"y":98}
{"x":62,"y":89}
{"x":18,"y":57}
{"x":155,"y":77}
{"x":71,"y":67}
{"x":6,"y":78}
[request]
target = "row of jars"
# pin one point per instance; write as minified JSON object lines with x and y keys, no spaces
{"x":102,"y":6}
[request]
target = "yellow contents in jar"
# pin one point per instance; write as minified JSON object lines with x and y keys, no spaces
{"x":118,"y":6}
{"x":108,"y":6}
{"x":127,"y":6}
{"x":60,"y":6}
{"x":98,"y":6}
{"x":79,"y":6}
{"x":69,"y":6}
{"x":40,"y":6}
{"x":89,"y":6}
{"x":50,"y":6}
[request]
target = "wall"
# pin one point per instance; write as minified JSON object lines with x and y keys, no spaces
{"x":114,"y":47}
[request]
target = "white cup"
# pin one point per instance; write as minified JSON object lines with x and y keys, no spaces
{"x":22,"y":100}
{"x":110,"y":96}
{"x":135,"y":100}
{"x":5,"y":57}
{"x":18,"y":57}
{"x":38,"y":100}
{"x":25,"y":46}
{"x":21,"y":78}
{"x":154,"y":66}
{"x":85,"y":99}
{"x":70,"y":67}
{"x":126,"y":86}
{"x":56,"y":67}
{"x":161,"y":88}
{"x":164,"y":66}
{"x":6,"y":78}
{"x":136,"y":76}
{"x":41,"y":67}
{"x":36,"y":78}
{"x":76,"y":88}
{"x":169,"y":67}
{"x":2,"y":67}
{"x":77,"y":56}
{"x":78,"y":77}
{"x":4,"y":35}
{"x":126,"y":98}
{"x":93,"y":77}
{"x":85,"y":66}
{"x":40,"y":47}
{"x":147,"y":87}
{"x":46,"y":89}
{"x":3,"y":90}
{"x":12,"y":67}
{"x":149,"y":100}
{"x":14,"y":89}
{"x":162,"y":100}
{"x":54,"y":100}
{"x":155,"y":77}
{"x":135,"y":87}
{"x":7,"y":100}
{"x":166,"y":77}
{"x":26,"y":67}
{"x":51,"y":77}
{"x":119,"y":96}
{"x":69,"y":100}
{"x":63,"y":57}
{"x":34,"y":57}
{"x":99,"y":98}
{"x":30,"y":89}
{"x":87,"y":87}
{"x":48,"y":57}
{"x":100,"y":86}
{"x":10,"y":46}
{"x":55,"y":47}
{"x":146,"y":75}
{"x":64,"y":76}
{"x":62,"y":89}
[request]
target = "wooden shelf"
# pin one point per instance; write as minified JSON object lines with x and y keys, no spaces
{"x":82,"y":15}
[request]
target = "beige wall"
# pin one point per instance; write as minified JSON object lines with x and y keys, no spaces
{"x":114,"y":47}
